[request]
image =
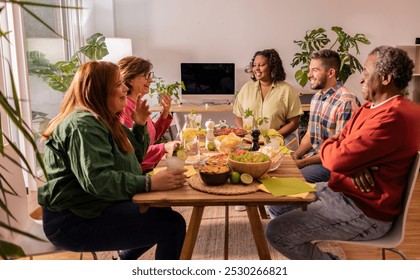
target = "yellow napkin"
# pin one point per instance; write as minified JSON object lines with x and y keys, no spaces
{"x":284,"y":150}
{"x":191,"y":171}
{"x":294,"y":187}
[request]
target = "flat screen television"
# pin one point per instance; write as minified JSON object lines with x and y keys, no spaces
{"x":208,"y":82}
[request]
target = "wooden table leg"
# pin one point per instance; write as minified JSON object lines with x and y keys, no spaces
{"x":226,"y":249}
{"x":192,"y":233}
{"x":258,"y":232}
{"x":263,"y":212}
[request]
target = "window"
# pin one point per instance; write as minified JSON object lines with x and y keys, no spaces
{"x":38,"y":102}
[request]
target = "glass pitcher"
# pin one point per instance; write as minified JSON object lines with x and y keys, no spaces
{"x":189,"y":137}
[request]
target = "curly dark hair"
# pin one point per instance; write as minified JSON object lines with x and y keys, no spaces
{"x":395,"y":62}
{"x":275,"y":65}
{"x":329,"y":59}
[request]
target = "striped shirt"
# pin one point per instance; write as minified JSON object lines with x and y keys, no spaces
{"x":329,"y":112}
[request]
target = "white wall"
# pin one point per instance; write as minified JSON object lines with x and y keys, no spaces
{"x":169,"y":32}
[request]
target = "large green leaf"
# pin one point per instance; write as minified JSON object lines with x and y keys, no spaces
{"x":10,"y":251}
{"x":96,"y":47}
{"x":317,"y":39}
{"x":38,"y":66}
{"x":60,"y":75}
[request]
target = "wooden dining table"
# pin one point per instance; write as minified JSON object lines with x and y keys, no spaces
{"x":187,"y":196}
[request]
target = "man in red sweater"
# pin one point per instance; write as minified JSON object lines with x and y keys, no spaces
{"x":369,"y":162}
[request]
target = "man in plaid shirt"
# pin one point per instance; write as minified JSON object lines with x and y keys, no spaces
{"x":331,"y":107}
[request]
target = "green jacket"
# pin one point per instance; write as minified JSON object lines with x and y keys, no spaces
{"x":86,"y":170}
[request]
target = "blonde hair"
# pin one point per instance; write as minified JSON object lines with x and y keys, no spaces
{"x":93,"y":83}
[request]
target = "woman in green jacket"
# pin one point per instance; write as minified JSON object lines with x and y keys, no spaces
{"x":93,"y":172}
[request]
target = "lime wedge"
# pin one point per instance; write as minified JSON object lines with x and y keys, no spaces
{"x":181,"y":154}
{"x":246,"y":178}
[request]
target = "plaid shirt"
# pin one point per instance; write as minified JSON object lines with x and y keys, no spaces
{"x":329,"y":112}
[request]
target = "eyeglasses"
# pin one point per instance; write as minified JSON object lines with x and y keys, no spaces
{"x":150,"y":75}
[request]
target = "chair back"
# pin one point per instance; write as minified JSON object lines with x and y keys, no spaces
{"x":395,"y":236}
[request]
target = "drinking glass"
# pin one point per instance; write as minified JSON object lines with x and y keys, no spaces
{"x":274,"y":142}
{"x":247,"y":123}
{"x":198,"y":118}
{"x":192,"y":148}
{"x":174,"y":162}
{"x":264,"y":127}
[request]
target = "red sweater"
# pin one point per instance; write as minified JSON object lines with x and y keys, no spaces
{"x":387,"y":136}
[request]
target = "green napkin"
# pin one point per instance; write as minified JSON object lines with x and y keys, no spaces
{"x":286,"y":186}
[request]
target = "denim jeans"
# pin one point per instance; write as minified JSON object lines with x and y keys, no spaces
{"x":315,"y":173}
{"x":332,"y":216}
{"x":120,"y":227}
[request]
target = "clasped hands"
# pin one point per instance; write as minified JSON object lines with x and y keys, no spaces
{"x":363,"y":179}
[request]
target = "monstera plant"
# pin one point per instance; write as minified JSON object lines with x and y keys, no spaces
{"x":317,"y":39}
{"x":58,"y":76}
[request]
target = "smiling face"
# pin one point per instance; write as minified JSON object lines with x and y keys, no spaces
{"x":140,"y":84}
{"x":318,"y":75}
{"x":117,"y":100}
{"x":371,"y":81}
{"x":260,"y":69}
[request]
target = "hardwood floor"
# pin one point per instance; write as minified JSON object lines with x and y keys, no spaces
{"x":410,"y":246}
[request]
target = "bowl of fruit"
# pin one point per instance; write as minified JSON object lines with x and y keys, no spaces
{"x":254,"y":163}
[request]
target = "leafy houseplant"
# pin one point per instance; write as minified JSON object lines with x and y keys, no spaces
{"x":317,"y":39}
{"x":58,"y":76}
{"x":13,"y":111}
{"x":160,"y":88}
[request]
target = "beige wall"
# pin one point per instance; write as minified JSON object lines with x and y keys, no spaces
{"x":173,"y":31}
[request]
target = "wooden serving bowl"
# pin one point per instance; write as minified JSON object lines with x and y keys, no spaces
{"x":256,"y":170}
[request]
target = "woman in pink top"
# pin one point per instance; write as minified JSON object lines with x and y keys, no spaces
{"x":137,"y":75}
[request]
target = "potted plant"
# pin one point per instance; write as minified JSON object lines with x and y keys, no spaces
{"x":317,"y":39}
{"x":58,"y":76}
{"x":161,"y":88}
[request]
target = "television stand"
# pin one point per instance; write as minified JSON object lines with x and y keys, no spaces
{"x":209,"y":101}
{"x":215,"y":101}
{"x":188,"y":107}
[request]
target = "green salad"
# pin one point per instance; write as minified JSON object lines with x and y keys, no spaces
{"x":249,"y":156}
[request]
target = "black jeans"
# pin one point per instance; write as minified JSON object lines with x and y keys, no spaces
{"x":120,"y":227}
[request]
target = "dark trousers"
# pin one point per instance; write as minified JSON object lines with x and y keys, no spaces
{"x":120,"y":227}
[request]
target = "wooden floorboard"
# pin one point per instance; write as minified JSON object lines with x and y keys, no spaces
{"x":410,"y":246}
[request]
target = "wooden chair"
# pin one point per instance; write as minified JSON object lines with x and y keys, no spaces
{"x":17,"y":202}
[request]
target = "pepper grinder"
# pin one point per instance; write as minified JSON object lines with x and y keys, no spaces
{"x":255,"y":146}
